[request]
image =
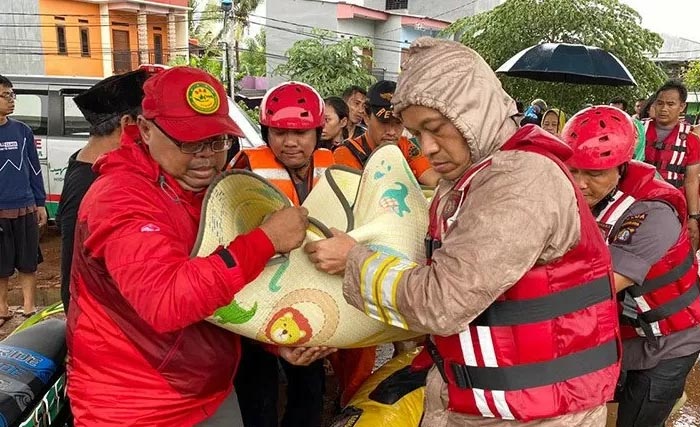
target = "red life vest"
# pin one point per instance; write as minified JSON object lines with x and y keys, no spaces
{"x":669,"y":157}
{"x":263,"y":162}
{"x":669,"y":299}
{"x":549,"y":345}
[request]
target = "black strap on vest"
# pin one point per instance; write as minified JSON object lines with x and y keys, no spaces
{"x":664,"y":311}
{"x":359,"y":155}
{"x":631,"y":317}
{"x":672,"y":276}
{"x":510,"y":313}
{"x":674,"y":306}
{"x":431,"y":245}
{"x":531,"y":375}
{"x":437,"y":358}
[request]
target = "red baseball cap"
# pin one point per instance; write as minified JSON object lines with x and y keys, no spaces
{"x":188,"y":104}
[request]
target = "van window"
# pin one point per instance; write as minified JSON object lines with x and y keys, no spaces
{"x":32,"y":109}
{"x":73,"y":121}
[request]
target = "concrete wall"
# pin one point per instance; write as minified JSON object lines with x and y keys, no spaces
{"x":450,"y":10}
{"x":279,"y":40}
{"x":387,"y":54}
{"x":20,"y":42}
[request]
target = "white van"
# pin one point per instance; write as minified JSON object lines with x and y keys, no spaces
{"x":46,"y":105}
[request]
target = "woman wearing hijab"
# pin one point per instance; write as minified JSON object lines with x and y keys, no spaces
{"x":553,"y":121}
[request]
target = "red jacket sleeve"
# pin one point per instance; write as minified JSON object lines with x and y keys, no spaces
{"x":693,"y":144}
{"x":154,"y":271}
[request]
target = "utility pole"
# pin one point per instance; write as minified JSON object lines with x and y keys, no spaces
{"x":227,"y":7}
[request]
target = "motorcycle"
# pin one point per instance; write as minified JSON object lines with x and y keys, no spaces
{"x":33,"y":373}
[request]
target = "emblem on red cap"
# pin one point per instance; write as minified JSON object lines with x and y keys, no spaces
{"x":202,"y":98}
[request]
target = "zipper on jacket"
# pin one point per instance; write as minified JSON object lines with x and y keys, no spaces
{"x":167,"y":189}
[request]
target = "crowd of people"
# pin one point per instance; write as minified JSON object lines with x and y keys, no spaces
{"x":561,"y":269}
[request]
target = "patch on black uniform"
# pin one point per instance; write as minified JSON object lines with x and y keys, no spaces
{"x":628,"y":228}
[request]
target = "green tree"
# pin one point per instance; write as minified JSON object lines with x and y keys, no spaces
{"x":691,"y":76}
{"x":517,"y":24}
{"x":253,"y":58}
{"x":254,"y":113}
{"x":211,"y":26}
{"x":241,"y":15}
{"x":203,"y":27}
{"x":328,"y":64}
{"x":203,"y":24}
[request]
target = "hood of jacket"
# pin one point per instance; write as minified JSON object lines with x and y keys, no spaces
{"x":454,"y":80}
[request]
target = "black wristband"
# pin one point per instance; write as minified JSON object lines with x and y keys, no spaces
{"x":696,"y":216}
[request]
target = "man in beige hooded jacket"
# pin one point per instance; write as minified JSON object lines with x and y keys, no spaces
{"x":447,"y":95}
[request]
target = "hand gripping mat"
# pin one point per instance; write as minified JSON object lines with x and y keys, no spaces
{"x":291,"y":303}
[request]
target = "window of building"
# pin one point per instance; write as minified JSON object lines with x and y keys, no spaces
{"x":61,"y":40}
{"x":84,"y":41}
{"x":396,"y":4}
{"x":157,"y":48}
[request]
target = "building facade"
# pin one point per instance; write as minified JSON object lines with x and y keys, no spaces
{"x":90,"y":38}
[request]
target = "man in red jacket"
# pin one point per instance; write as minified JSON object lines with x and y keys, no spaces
{"x":140,"y":352}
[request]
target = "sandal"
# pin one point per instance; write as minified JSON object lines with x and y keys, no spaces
{"x":28,"y":315}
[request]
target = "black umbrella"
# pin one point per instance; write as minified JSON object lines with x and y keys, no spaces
{"x":568,"y":63}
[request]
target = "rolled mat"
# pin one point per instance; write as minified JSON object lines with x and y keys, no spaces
{"x":292,"y":303}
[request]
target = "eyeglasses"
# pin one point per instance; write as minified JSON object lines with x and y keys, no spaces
{"x":216,"y":145}
{"x":10,"y":96}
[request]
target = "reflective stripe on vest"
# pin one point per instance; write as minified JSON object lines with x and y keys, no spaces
{"x":609,"y":217}
{"x":482,"y":378}
{"x":613,"y":211}
{"x":672,"y":171}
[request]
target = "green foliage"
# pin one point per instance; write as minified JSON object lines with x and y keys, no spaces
{"x":328,"y":64}
{"x":517,"y":24}
{"x":203,"y":24}
{"x":254,"y":114}
{"x":691,"y":76}
{"x":253,"y":57}
{"x":209,"y":62}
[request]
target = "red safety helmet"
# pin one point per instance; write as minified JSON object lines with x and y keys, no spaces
{"x":601,"y":138}
{"x":292,"y":105}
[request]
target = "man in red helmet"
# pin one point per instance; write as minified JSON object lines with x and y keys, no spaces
{"x":140,"y":351}
{"x":643,"y":221}
{"x":292,"y":118}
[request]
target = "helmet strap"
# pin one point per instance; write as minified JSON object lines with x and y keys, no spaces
{"x":605,"y":201}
